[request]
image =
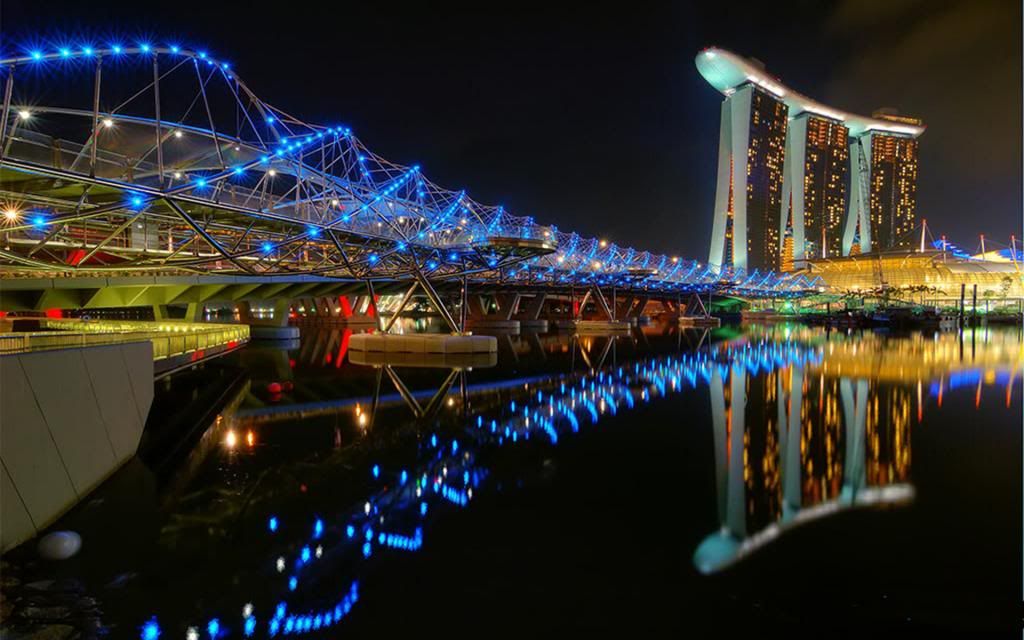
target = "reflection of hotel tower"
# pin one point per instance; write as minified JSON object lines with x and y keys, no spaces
{"x":791,"y":444}
{"x":803,"y":169}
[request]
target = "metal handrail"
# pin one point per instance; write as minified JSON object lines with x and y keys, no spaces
{"x":168,"y":338}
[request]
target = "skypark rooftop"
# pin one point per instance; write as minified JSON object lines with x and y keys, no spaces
{"x":727,"y":71}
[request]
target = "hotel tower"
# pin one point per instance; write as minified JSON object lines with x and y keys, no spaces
{"x":800,"y":180}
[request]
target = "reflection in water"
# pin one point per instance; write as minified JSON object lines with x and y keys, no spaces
{"x":803,"y":425}
{"x":806,"y":440}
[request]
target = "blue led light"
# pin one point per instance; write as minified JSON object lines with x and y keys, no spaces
{"x":136,"y":201}
{"x":250,"y":626}
{"x":201,"y":183}
{"x":404,"y":476}
{"x":202,"y":54}
{"x":175,"y":48}
{"x":433,"y":440}
{"x":305,"y":554}
{"x":376,"y":471}
{"x":373,"y":258}
{"x":267,"y":247}
{"x":314,"y":232}
{"x":423,"y":508}
{"x":36,"y":55}
{"x":116,"y":48}
{"x":272,"y":524}
{"x":350,"y":531}
{"x":293,"y":583}
{"x":87,"y":51}
{"x":270,"y":119}
{"x":39,"y":221}
{"x":318,"y":528}
{"x":367,"y":549}
{"x":145,"y":47}
{"x":213,"y":627}
{"x":239,"y":171}
{"x":150,"y":630}
{"x":65,"y":52}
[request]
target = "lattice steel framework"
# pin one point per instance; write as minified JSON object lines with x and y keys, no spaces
{"x":146,"y":159}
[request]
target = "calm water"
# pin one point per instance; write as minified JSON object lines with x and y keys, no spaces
{"x":754,"y":478}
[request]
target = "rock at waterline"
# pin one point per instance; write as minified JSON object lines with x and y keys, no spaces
{"x":59,"y":545}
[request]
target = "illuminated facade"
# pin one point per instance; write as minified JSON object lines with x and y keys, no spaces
{"x":933,"y":276}
{"x":846,"y":180}
{"x":885,"y":167}
{"x":814,"y":189}
{"x":748,"y":197}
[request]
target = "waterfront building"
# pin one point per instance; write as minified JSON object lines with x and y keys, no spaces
{"x":839,"y":181}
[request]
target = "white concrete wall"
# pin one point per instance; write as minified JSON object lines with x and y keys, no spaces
{"x":68,"y":419}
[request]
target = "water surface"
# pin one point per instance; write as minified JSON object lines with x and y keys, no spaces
{"x":754,"y":477}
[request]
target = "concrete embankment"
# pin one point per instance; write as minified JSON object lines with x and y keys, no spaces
{"x":68,"y":419}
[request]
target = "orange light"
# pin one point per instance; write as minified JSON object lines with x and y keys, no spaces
{"x":250,"y":438}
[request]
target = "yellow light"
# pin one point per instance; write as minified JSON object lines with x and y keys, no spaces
{"x":334,"y":202}
{"x":597,"y":265}
{"x":604,"y":243}
{"x":24,"y":114}
{"x":451,"y":402}
{"x":250,"y":438}
{"x":231,"y":439}
{"x":177,"y":175}
{"x":11,"y":214}
{"x":272,"y":173}
{"x":177,"y":134}
{"x":362,"y":419}
{"x":107,"y":122}
{"x":675,"y":259}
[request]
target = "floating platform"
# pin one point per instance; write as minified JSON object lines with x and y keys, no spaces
{"x":534,"y":325}
{"x":594,"y":326}
{"x":420,"y":343}
{"x":700,"y":321}
{"x":493,"y":323}
{"x":424,"y":360}
{"x":262,"y":332}
{"x":354,"y":322}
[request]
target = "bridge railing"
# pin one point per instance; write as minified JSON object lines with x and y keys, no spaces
{"x":169,"y":339}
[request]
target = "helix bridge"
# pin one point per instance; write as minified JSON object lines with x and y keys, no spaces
{"x":448,"y":473}
{"x":142,"y":159}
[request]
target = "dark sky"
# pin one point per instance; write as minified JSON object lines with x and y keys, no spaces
{"x":596,"y":119}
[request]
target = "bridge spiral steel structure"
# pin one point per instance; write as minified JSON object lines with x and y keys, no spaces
{"x":159,"y":160}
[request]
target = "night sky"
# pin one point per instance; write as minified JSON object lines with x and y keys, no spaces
{"x":596,"y":119}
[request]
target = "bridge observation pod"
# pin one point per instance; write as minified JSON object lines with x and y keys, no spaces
{"x":141,"y":158}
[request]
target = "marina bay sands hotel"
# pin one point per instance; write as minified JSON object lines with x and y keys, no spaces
{"x":799,"y":180}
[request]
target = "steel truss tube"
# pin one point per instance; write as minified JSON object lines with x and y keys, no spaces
{"x":95,"y":117}
{"x":401,"y":306}
{"x":436,"y":300}
{"x":206,"y":236}
{"x":8,"y":88}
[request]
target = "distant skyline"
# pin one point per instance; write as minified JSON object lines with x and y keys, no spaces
{"x":599,"y":121}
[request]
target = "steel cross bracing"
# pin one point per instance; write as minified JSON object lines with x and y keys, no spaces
{"x":144,"y":159}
